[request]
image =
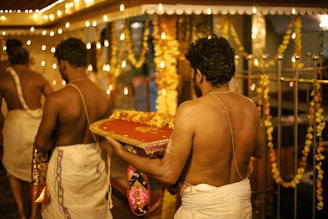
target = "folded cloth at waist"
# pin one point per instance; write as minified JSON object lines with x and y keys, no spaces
{"x":77,"y":183}
{"x":19,"y":131}
{"x":206,"y":201}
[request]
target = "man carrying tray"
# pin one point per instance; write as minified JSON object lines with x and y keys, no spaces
{"x":212,"y":142}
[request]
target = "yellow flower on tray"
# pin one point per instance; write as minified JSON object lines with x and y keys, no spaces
{"x":156,"y":119}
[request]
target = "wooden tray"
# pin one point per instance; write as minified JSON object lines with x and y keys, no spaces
{"x":150,"y":139}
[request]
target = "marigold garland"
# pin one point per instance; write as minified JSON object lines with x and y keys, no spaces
{"x":166,"y":53}
{"x":225,"y":25}
{"x":314,"y":119}
{"x":131,"y":55}
{"x":116,"y":60}
{"x":319,"y":122}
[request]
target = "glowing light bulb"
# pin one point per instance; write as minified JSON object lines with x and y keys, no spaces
{"x":123,"y":64}
{"x":122,"y":7}
{"x":126,"y":91}
{"x":162,"y":64}
{"x":163,"y":36}
{"x":160,"y":7}
{"x":122,"y":36}
{"x":106,"y":43}
{"x":90,"y":67}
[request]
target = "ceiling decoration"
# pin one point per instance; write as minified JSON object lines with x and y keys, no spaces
{"x":23,"y":5}
{"x":52,"y":13}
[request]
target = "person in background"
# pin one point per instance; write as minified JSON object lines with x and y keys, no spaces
{"x":212,"y":142}
{"x":79,"y":189}
{"x":10,"y":43}
{"x":22,"y":89}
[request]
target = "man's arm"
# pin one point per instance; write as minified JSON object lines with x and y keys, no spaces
{"x":44,"y":139}
{"x":169,"y":168}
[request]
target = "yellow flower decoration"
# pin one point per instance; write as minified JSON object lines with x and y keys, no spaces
{"x":166,"y":53}
{"x":116,"y":60}
{"x":315,"y":119}
{"x":225,"y":25}
{"x":131,"y":55}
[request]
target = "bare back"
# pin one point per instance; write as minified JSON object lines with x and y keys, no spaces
{"x":212,"y":145}
{"x":33,"y":86}
{"x":65,"y":118}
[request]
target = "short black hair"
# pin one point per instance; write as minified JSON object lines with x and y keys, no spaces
{"x":19,"y":56}
{"x":73,"y":51}
{"x":214,"y":57}
{"x":11,"y":43}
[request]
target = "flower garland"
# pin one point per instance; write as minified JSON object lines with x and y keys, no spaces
{"x":131,"y":55}
{"x":318,"y":120}
{"x":315,"y":104}
{"x":298,"y":40}
{"x":237,"y":41}
{"x":116,"y":60}
{"x":166,"y":52}
{"x":225,"y":25}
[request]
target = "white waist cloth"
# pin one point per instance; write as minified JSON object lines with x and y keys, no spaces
{"x":77,"y":183}
{"x":19,"y":132}
{"x":231,"y":201}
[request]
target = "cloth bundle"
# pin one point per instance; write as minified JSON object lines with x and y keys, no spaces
{"x":39,"y":173}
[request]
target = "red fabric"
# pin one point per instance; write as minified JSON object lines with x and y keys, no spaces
{"x":135,"y":132}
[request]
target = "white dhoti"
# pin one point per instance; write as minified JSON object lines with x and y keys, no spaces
{"x":78,"y":184}
{"x":232,"y":201}
{"x":19,"y":131}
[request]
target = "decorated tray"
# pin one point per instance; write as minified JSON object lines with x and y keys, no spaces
{"x":148,"y":131}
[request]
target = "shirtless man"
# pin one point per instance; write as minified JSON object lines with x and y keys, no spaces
{"x":213,"y":139}
{"x":21,"y":123}
{"x":82,"y":180}
{"x":10,"y":43}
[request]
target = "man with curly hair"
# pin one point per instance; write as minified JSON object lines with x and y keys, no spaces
{"x":213,"y":140}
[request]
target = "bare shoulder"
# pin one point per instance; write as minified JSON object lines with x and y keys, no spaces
{"x":246,"y":101}
{"x":187,"y":107}
{"x":186,"y":112}
{"x":58,"y":97}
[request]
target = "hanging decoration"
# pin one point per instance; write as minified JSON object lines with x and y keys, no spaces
{"x":225,"y":26}
{"x":298,"y":40}
{"x":316,"y":120}
{"x":131,"y":55}
{"x":166,"y":52}
{"x":116,"y":60}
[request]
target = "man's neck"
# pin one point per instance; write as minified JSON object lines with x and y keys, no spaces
{"x":217,"y":89}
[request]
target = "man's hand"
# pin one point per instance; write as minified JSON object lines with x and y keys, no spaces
{"x":116,"y":146}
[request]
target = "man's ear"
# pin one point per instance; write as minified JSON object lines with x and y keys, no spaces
{"x":62,"y":65}
{"x":200,"y":77}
